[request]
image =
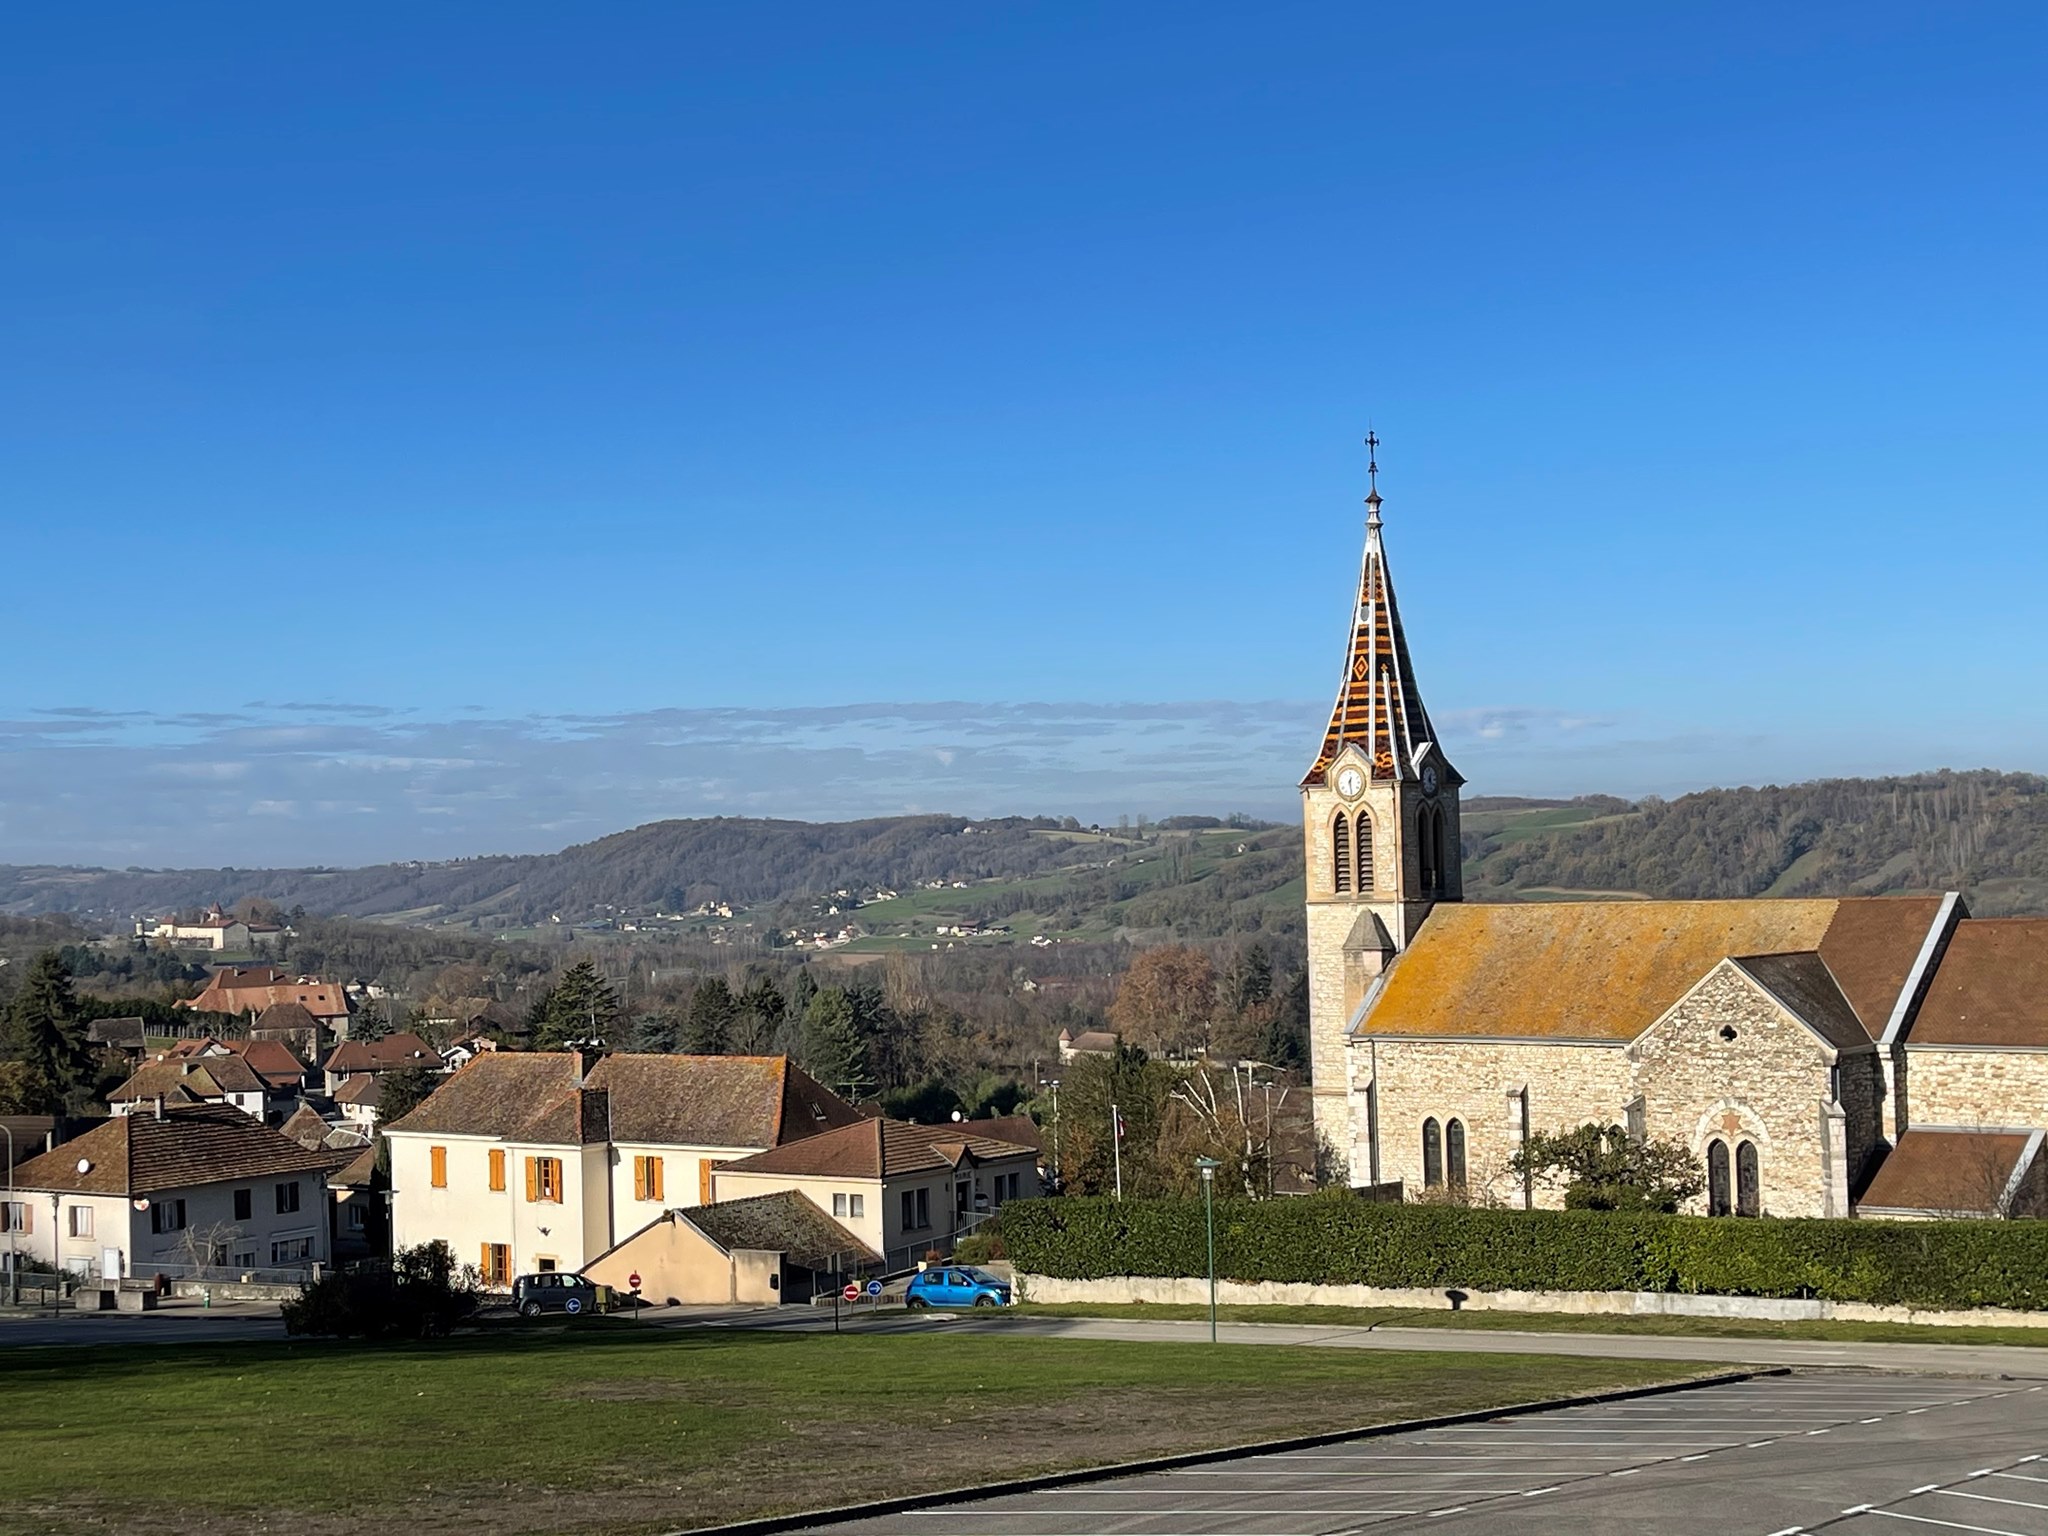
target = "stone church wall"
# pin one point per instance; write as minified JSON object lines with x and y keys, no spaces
{"x":1770,"y":1085}
{"x":1975,"y":1087}
{"x":1481,"y":1082}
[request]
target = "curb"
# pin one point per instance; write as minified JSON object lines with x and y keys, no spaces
{"x":772,"y":1525}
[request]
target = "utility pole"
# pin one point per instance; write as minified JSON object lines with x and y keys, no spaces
{"x":1116,"y":1147}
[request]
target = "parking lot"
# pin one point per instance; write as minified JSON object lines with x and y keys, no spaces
{"x":1852,"y":1453}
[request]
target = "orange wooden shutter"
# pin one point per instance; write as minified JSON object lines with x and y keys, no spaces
{"x":654,"y":1178}
{"x":497,"y":1168}
{"x":704,"y":1181}
{"x":532,"y":1179}
{"x":639,"y":1178}
{"x":489,"y":1273}
{"x":437,"y":1159}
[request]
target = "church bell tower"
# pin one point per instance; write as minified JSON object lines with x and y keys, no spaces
{"x":1380,"y":828}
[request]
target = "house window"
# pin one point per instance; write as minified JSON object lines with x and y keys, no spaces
{"x":287,"y":1198}
{"x":437,"y":1167}
{"x":1748,"y":1187}
{"x":646,"y":1178}
{"x":1454,"y":1151}
{"x":544,"y":1180}
{"x":291,"y":1250}
{"x":497,"y":1265}
{"x":245,"y":1204}
{"x":856,"y":1205}
{"x":81,"y":1220}
{"x":1637,"y":1114}
{"x":166,"y":1215}
{"x":497,"y":1168}
{"x":838,"y":1204}
{"x":544,"y":1266}
{"x":1340,"y":853}
{"x":356,"y":1223}
{"x":1717,"y":1178}
{"x":1432,"y":1154}
{"x":14,"y":1216}
{"x":916,"y":1209}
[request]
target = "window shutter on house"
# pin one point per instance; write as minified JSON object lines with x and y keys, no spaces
{"x":437,"y":1160}
{"x":704,"y":1181}
{"x":654,"y":1178}
{"x":532,"y":1180}
{"x":485,"y":1266}
{"x":639,"y":1178}
{"x":497,"y":1168}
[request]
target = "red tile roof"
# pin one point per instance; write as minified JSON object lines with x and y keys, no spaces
{"x":1946,"y":1171}
{"x":392,"y":1052}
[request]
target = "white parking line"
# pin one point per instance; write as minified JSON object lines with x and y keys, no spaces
{"x":1957,"y":1493}
{"x":1953,"y":1525}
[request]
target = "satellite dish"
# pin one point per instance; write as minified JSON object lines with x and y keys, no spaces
{"x":85,"y":1165}
{"x":958,"y":1117}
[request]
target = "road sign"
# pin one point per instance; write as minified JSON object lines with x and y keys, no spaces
{"x":633,"y":1281}
{"x":852,"y":1291}
{"x":874,"y":1289}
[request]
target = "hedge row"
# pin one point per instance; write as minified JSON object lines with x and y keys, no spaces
{"x":1351,"y":1242}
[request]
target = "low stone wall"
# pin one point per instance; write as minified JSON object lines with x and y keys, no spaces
{"x":233,"y":1290}
{"x":1255,"y":1293}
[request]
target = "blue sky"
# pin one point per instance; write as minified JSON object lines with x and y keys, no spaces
{"x":429,"y":433}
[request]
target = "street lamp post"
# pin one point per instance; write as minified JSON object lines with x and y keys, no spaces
{"x":1209,"y":1165}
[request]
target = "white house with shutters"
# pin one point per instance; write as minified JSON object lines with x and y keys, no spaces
{"x":523,"y":1161}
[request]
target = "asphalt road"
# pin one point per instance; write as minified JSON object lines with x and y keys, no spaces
{"x":1982,"y":1359}
{"x":1843,"y":1452}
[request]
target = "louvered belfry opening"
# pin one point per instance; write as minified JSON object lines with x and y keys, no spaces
{"x":1340,"y":854}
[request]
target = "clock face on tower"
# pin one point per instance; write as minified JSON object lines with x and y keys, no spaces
{"x":1429,"y":778}
{"x":1350,"y":782}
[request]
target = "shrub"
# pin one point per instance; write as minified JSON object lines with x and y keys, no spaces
{"x":979,"y":1248}
{"x":422,"y":1293}
{"x":1354,"y":1242}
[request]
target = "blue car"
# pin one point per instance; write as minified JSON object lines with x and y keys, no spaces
{"x":955,"y":1285}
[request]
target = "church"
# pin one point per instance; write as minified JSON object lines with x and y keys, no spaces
{"x":1866,"y":1056}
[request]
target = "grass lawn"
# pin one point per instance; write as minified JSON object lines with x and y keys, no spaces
{"x":1554,"y":1322}
{"x":617,"y":1429}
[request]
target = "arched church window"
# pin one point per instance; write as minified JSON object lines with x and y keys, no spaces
{"x":1717,"y":1177}
{"x":1454,"y":1152}
{"x":1426,"y":838}
{"x":1748,"y":1184}
{"x":1340,"y":853}
{"x":1432,"y":1154}
{"x":1363,"y":827}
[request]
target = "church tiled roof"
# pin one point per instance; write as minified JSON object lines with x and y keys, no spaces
{"x":1991,"y":988}
{"x":1950,"y":1170}
{"x":1595,"y":970}
{"x":1379,"y":708}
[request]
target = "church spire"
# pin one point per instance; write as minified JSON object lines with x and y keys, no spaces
{"x":1379,"y":707}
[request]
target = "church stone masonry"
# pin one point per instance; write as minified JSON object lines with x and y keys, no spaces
{"x":1822,"y":1057}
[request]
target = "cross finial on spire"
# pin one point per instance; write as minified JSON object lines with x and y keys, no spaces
{"x":1372,"y":469}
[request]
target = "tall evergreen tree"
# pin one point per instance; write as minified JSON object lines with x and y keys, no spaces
{"x":582,"y":1010}
{"x":370,"y":1022}
{"x":47,"y":1036}
{"x":833,"y":1050}
{"x":760,"y":1012}
{"x":708,"y":1028}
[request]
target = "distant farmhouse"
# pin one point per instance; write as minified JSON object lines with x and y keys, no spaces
{"x":215,"y":931}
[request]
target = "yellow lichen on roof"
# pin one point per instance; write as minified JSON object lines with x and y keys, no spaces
{"x":1574,"y":970}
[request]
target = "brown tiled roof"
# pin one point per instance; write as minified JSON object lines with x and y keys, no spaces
{"x":1571,"y":970}
{"x":1021,"y":1129}
{"x":1945,"y":1170}
{"x":271,"y":1060}
{"x":784,"y":1222}
{"x":1805,"y":986}
{"x":165,"y":1078}
{"x":123,"y":1031}
{"x":1088,"y":1040}
{"x":286,"y":1015}
{"x":140,"y":1154}
{"x":880,"y":1149}
{"x":716,"y":1101}
{"x":1870,"y":947}
{"x":305,"y":1127}
{"x":233,"y":990}
{"x":1991,"y":987}
{"x":404,"y":1049}
{"x":364,"y":1088}
{"x":360,"y":1173}
{"x":498,"y":1094}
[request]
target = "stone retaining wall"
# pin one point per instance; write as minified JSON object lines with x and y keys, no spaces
{"x":1238,"y":1293}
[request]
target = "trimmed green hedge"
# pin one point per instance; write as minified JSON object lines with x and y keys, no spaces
{"x":1353,"y":1242}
